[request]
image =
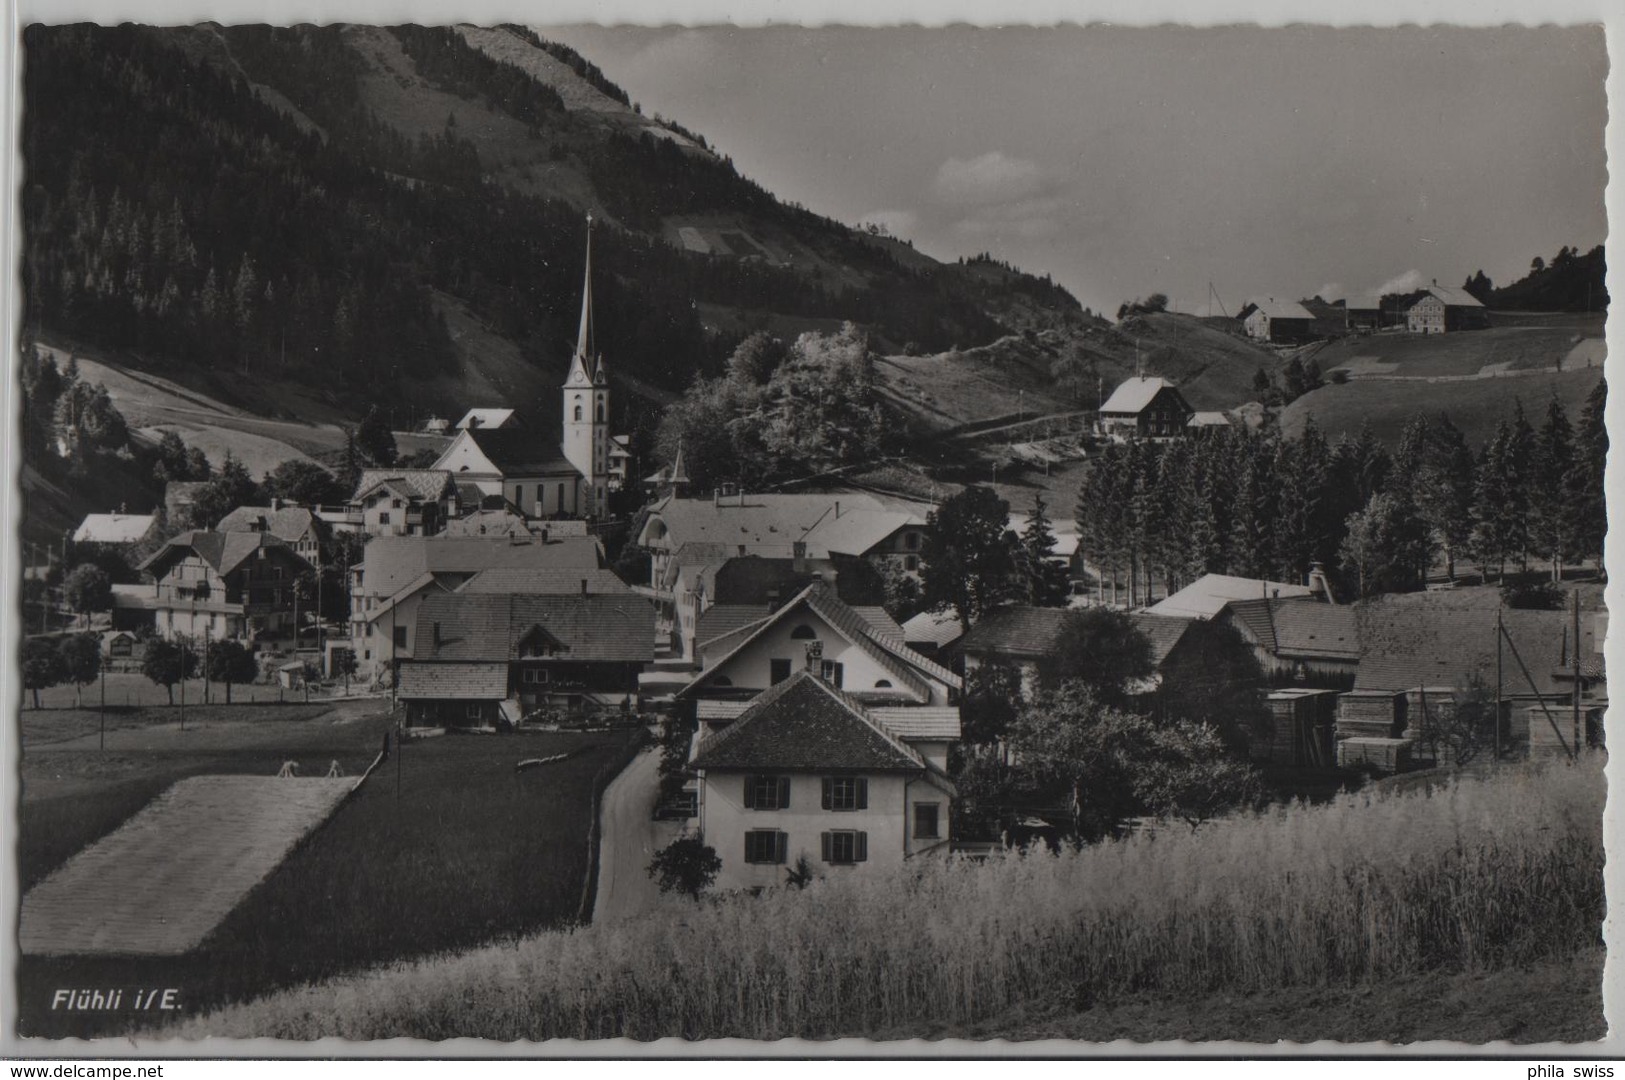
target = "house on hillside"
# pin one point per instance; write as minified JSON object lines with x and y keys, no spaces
{"x":397,"y":572}
{"x":807,"y":772}
{"x":489,"y":419}
{"x":295,"y":526}
{"x":861,"y":654}
{"x":224,"y":585}
{"x":1298,"y":641}
{"x":405,"y":502}
{"x":118,"y":531}
{"x":1025,"y":637}
{"x":1144,"y":407}
{"x":1279,"y":322}
{"x":1442,"y":309}
{"x":484,"y":658}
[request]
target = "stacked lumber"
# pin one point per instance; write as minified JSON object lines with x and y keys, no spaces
{"x":1384,"y":755}
{"x":1370,"y":714}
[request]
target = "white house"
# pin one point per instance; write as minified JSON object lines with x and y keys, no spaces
{"x":807,"y":772}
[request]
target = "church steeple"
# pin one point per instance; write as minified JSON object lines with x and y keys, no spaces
{"x":585,"y":368}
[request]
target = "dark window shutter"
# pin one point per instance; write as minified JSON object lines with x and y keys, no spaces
{"x":825,"y":840}
{"x":860,"y":847}
{"x":828,"y":796}
{"x":750,"y":793}
{"x":863,"y":794}
{"x":781,"y":851}
{"x":784,"y":794}
{"x":750,"y":849}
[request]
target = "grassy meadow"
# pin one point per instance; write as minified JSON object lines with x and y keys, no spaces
{"x":1482,"y":876}
{"x":445,"y":847}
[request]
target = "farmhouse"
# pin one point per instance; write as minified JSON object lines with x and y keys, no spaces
{"x":1145,"y":407}
{"x":483,"y":658}
{"x":809,"y":772}
{"x":1298,"y":640}
{"x":865,"y":658}
{"x":1283,"y":322}
{"x":569,"y":478}
{"x":293,"y":525}
{"x":1024,"y":637}
{"x":398,"y":571}
{"x":233,"y":585}
{"x":1442,"y":309}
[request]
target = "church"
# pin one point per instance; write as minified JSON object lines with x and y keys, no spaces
{"x":544,"y":479}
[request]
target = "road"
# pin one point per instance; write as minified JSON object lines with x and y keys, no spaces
{"x":628,"y":839}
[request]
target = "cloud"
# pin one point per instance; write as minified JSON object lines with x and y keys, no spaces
{"x":994,"y":177}
{"x":1409,"y":281}
{"x":1027,"y":218}
{"x":1332,"y":290}
{"x":899,"y":223}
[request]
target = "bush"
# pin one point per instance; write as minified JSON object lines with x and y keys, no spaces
{"x":1532,"y":596}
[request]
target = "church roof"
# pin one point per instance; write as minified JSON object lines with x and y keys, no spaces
{"x":516,"y":452}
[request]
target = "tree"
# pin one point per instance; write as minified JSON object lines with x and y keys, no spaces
{"x":81,"y":660}
{"x":42,"y":666}
{"x":1586,"y":500}
{"x":87,"y":589}
{"x":374,"y":439}
{"x":87,"y":421}
{"x":755,"y":359}
{"x":230,"y":661}
{"x":685,"y":865}
{"x":1388,"y":547}
{"x":350,"y":466}
{"x":991,"y":699}
{"x":232,"y":488}
{"x":1554,"y":460}
{"x":1479,"y":286}
{"x":1045,"y":580}
{"x":167,"y":663}
{"x":1189,"y":774}
{"x":1101,"y":648}
{"x":968,"y":562}
{"x":1261,"y":383}
{"x":304,"y":482}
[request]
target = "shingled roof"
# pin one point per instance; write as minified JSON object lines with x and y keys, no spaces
{"x":453,"y":682}
{"x":1207,"y":595}
{"x":1133,"y":395}
{"x":289,"y":523}
{"x":1030,"y":633}
{"x":545,"y":581}
{"x":426,"y":484}
{"x":490,"y":627}
{"x":224,"y":552}
{"x":390,"y":563}
{"x":804,"y":723}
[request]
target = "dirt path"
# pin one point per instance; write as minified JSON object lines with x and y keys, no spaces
{"x":628,"y":839}
{"x":164,"y":879}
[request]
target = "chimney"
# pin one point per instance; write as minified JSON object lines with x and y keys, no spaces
{"x":772,"y":600}
{"x":276,"y":502}
{"x":1319,"y":582}
{"x":716,"y":495}
{"x":815,"y":653}
{"x":583,"y":586}
{"x":837,"y":508}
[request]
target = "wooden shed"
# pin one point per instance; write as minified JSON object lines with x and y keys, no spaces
{"x":1299,"y":730}
{"x":1377,"y":714}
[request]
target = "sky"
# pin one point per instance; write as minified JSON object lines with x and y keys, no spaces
{"x":1126,"y":161}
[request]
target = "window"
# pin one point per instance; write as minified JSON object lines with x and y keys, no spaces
{"x":400,"y":637}
{"x":912,"y":540}
{"x":882,"y":684}
{"x":846,"y":793}
{"x":832,"y":672}
{"x":803,"y":633}
{"x":561,"y":498}
{"x":778,"y":670}
{"x":925,"y":820}
{"x":766,"y":846}
{"x":600,"y":414}
{"x":578,"y":412}
{"x":767,"y":793}
{"x":846,"y":846}
{"x":383,"y":517}
{"x":473,"y":710}
{"x":911,"y":562}
{"x":533,"y":675}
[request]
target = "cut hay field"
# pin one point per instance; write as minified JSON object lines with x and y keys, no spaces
{"x":467,"y":852}
{"x":1489,"y":875}
{"x":1503,"y":348}
{"x":1473,"y":405}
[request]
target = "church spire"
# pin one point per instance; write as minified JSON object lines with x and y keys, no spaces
{"x":585,"y":369}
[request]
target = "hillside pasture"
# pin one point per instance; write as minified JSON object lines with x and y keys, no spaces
{"x":1512,"y":348}
{"x":1475,"y":406}
{"x":1351,"y":895}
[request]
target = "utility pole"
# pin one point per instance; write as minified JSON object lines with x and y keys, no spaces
{"x":1498,"y":633}
{"x":206,"y":661}
{"x":1576,"y":662}
{"x":103,"y":681}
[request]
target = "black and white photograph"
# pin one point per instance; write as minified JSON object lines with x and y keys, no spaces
{"x":1076,"y":534}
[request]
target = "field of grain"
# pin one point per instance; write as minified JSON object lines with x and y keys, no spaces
{"x":1487,"y":874}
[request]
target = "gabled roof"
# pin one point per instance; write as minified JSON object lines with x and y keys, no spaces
{"x":486,"y":418}
{"x":289,"y":523}
{"x":1015,"y":631}
{"x":1277,"y":309}
{"x":113,"y":528}
{"x":426,"y":484}
{"x":749,"y":519}
{"x":1454,"y":297}
{"x":1133,"y":395}
{"x":517,"y":452}
{"x":854,"y":531}
{"x":503,"y":522}
{"x":910,"y":722}
{"x":910,"y":667}
{"x":1164,"y":634}
{"x":937,"y":628}
{"x":453,"y":682}
{"x":1209,"y":419}
{"x":529,"y":581}
{"x":878,"y":618}
{"x":1309,"y":628}
{"x":224,"y":552}
{"x":391,"y":562}
{"x":1207,"y":595}
{"x":489,"y":627}
{"x":804,"y":723}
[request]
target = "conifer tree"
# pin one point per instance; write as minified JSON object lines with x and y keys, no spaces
{"x":1553,"y":462}
{"x":1584,"y":496}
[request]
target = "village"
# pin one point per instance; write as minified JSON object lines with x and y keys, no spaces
{"x":592,"y":619}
